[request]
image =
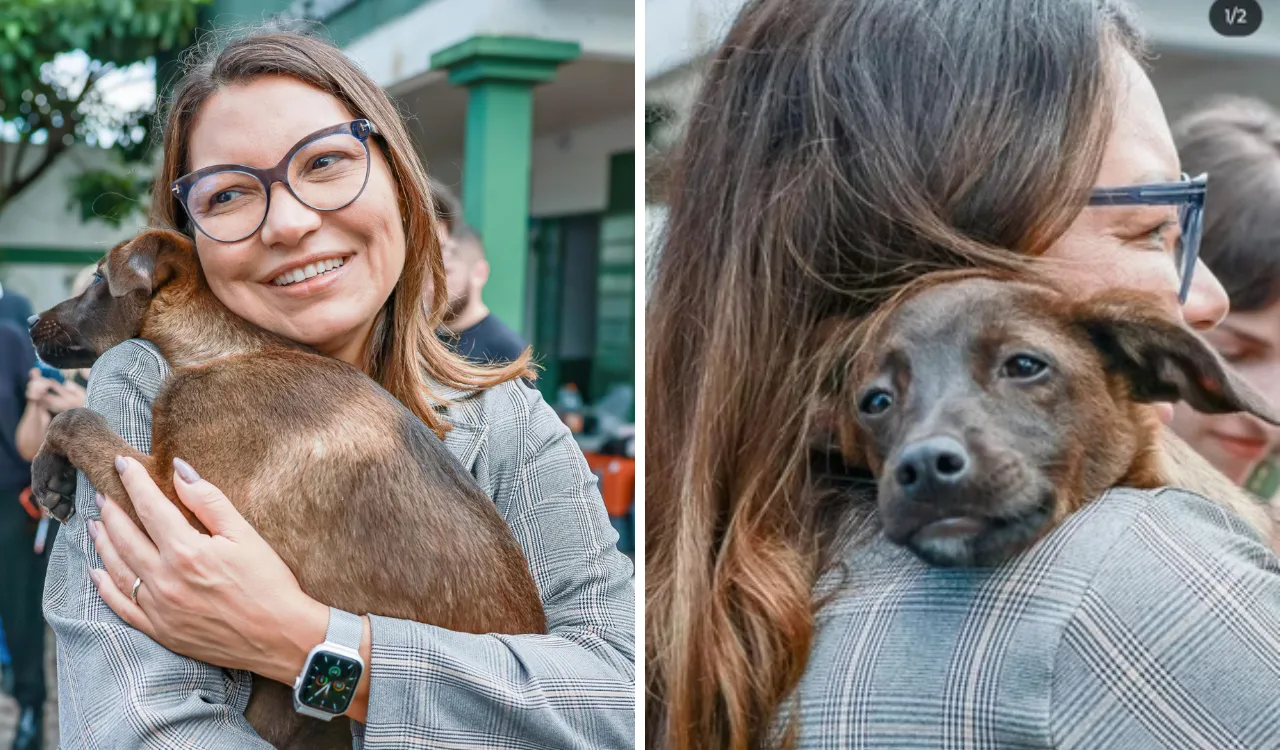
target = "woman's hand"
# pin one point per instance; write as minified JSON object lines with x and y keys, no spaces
{"x":225,"y":598}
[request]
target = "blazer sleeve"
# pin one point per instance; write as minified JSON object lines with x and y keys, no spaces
{"x":1176,"y":643}
{"x":571,"y":688}
{"x":118,"y":688}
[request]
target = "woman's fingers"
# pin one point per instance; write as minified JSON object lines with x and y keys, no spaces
{"x":158,"y":514}
{"x":132,"y":546}
{"x":121,"y":574}
{"x":208,"y":503}
{"x":121,"y":604}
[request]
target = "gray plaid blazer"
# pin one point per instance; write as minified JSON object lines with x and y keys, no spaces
{"x":1148,"y":620}
{"x":573,"y":688}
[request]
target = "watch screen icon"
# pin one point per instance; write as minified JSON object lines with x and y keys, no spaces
{"x":1235,"y":17}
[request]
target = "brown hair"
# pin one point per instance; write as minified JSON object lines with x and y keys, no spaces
{"x":448,"y":207}
{"x":837,"y":150}
{"x":403,"y":353}
{"x":1237,"y":142}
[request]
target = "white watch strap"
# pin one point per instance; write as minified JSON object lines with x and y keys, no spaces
{"x":345,"y":629}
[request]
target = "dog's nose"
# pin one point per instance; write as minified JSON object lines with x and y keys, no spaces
{"x":33,"y":320}
{"x":935,"y":462}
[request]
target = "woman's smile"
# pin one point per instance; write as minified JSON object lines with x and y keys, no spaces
{"x":308,"y":276}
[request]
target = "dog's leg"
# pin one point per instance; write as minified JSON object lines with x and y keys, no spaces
{"x":81,"y":439}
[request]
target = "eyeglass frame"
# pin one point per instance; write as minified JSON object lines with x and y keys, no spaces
{"x":361,"y":129}
{"x":1188,"y":194}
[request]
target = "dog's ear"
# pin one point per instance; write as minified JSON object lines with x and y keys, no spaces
{"x":144,"y":263}
{"x":1163,"y":360}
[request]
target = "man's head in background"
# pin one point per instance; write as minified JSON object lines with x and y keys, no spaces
{"x":447,"y":207}
{"x":467,"y":271}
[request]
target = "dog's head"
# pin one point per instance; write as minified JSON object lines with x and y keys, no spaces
{"x":990,"y":409}
{"x":74,"y":333}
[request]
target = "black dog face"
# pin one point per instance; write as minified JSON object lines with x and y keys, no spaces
{"x":986,"y":408}
{"x":75,"y":332}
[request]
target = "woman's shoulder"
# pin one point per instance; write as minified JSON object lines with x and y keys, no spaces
{"x":136,"y":358}
{"x":126,"y":369}
{"x":513,"y":405}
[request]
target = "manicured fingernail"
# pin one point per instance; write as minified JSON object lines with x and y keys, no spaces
{"x":185,"y":471}
{"x":99,"y":500}
{"x":121,"y":464}
{"x":93,"y":529}
{"x":96,"y":576}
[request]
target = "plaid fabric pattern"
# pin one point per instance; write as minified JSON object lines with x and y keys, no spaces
{"x":429,"y":688}
{"x":1148,"y":620}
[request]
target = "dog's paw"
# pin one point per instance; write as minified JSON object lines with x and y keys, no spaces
{"x":53,"y":483}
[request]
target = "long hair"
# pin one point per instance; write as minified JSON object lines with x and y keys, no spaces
{"x":837,"y":150}
{"x":403,"y":354}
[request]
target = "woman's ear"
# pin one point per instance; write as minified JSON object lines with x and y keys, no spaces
{"x":1164,"y":360}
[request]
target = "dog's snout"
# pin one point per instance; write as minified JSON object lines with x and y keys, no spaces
{"x":31,"y":322}
{"x":935,"y":462}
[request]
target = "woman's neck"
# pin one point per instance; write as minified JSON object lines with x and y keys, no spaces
{"x":350,"y":348}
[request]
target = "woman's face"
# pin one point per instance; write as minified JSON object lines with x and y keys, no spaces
{"x":1132,"y":246}
{"x":255,"y":125}
{"x":1234,"y":443}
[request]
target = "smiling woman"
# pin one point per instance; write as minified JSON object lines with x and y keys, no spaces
{"x":312,"y":218}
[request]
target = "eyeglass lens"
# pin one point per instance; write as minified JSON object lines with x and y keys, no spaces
{"x":326,"y":174}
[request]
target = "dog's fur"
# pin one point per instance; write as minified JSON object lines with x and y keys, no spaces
{"x":1034,"y":449}
{"x":362,"y":501}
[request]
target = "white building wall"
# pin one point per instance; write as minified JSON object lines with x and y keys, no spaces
{"x":570,"y":169}
{"x":401,"y":50}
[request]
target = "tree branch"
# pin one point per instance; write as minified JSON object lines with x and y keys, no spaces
{"x":53,"y":145}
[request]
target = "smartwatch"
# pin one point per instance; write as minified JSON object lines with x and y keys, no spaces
{"x":328,"y":680}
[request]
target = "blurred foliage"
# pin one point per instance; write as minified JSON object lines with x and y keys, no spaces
{"x":49,"y":101}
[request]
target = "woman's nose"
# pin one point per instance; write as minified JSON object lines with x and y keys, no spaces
{"x":1207,"y":302}
{"x":288,"y":219}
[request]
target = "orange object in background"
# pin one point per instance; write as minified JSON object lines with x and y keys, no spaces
{"x":617,"y":476}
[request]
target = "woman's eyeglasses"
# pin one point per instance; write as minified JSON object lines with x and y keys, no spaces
{"x":1188,"y":195}
{"x":326,"y":171}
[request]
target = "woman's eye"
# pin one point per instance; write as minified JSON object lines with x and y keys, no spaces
{"x":224,"y":197}
{"x":1022,"y":367}
{"x":875,"y":402}
{"x":328,"y":160}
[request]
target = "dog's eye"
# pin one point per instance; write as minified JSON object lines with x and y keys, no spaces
{"x":97,"y":276}
{"x":1022,"y":367}
{"x":876,"y":402}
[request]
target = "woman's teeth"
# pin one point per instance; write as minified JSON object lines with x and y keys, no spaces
{"x":308,"y":271}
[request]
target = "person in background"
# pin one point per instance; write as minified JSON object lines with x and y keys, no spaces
{"x":20,"y":583}
{"x":469,"y":327}
{"x":46,"y":397}
{"x":1237,"y":142}
{"x":14,"y":307}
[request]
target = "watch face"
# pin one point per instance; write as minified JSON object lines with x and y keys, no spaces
{"x":330,"y":682}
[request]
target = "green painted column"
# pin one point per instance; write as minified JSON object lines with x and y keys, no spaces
{"x":500,"y":73}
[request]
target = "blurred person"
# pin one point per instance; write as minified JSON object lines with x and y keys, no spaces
{"x":21,"y":569}
{"x":158,"y":651}
{"x":1237,"y":141}
{"x":14,"y":307}
{"x":469,"y":327}
{"x":836,"y":151}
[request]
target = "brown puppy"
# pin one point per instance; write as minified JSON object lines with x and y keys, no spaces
{"x":362,"y":501}
{"x":989,"y":409}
